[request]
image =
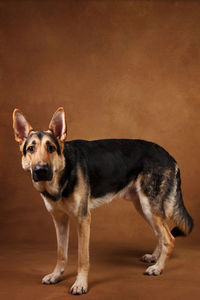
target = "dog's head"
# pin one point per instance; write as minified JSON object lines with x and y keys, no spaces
{"x":42,"y":151}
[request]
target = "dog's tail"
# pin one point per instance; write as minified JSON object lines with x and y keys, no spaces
{"x":182,"y":219}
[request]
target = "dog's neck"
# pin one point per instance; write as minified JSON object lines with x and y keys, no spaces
{"x":52,"y":187}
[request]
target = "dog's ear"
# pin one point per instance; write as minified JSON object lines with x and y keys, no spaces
{"x":21,"y":126}
{"x":58,"y":124}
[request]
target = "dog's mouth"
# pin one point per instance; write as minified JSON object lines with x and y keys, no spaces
{"x":42,"y":173}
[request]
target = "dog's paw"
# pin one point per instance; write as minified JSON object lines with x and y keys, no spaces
{"x":153,"y":270}
{"x":79,"y":287}
{"x":52,"y":278}
{"x":149,"y":258}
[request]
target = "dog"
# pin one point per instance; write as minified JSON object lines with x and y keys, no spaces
{"x":73,"y":177}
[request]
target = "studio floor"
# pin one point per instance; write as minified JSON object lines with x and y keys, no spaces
{"x":116,"y":272}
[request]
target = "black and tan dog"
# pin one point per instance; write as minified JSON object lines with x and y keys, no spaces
{"x":76,"y":176}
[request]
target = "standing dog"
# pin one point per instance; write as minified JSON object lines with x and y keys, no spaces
{"x":74,"y":177}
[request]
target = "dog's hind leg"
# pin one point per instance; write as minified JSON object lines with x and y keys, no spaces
{"x":167,"y":245}
{"x":145,"y":211}
{"x":152,"y":258}
{"x":165,"y":239}
{"x":61,"y":222}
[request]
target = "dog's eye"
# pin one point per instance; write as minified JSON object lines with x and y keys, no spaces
{"x":51,"y":148}
{"x":31,"y":149}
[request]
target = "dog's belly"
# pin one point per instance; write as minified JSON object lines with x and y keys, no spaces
{"x":95,"y":202}
{"x":128,"y":193}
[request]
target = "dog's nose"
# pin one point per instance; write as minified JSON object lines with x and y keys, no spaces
{"x":41,"y":169}
{"x":42,"y":172}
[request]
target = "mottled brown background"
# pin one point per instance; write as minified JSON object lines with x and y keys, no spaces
{"x":121,"y":69}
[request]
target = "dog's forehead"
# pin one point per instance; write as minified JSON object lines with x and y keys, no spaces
{"x":40,"y":136}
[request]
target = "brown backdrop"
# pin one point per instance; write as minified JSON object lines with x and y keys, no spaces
{"x":121,"y":69}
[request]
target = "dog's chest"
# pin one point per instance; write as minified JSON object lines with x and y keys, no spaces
{"x":70,"y":205}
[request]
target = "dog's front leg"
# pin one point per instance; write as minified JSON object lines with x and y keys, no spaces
{"x":81,"y":284}
{"x":61,"y":222}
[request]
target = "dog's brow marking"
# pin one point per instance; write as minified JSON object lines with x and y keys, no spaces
{"x":26,"y":142}
{"x":48,"y":143}
{"x":54,"y":139}
{"x":40,"y":135}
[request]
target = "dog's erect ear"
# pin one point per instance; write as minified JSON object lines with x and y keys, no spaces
{"x":21,"y":126}
{"x":58,"y":124}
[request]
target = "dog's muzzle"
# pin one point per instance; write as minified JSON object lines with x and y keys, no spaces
{"x":42,"y":173}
